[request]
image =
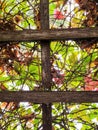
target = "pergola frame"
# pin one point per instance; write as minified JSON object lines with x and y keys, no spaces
{"x":45,"y":36}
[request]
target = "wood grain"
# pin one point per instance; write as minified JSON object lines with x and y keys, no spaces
{"x":46,"y":34}
{"x":49,"y":97}
{"x":46,"y":66}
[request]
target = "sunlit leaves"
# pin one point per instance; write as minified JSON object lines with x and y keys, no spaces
{"x":21,"y":12}
{"x":75,"y":13}
{"x":19,"y":116}
{"x":80,"y":74}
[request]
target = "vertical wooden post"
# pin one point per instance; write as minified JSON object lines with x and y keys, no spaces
{"x":46,"y":66}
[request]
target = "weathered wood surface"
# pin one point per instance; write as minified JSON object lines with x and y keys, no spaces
{"x":45,"y":46}
{"x":49,"y":97}
{"x":35,"y":35}
{"x":46,"y":66}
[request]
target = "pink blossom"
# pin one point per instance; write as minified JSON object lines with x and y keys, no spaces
{"x":57,"y":76}
{"x":58,"y":14}
{"x":90,"y":85}
{"x":58,"y":80}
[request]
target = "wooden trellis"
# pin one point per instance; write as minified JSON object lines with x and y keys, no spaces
{"x":45,"y":35}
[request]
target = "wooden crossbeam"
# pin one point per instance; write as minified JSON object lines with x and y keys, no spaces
{"x":49,"y":97}
{"x":36,"y":35}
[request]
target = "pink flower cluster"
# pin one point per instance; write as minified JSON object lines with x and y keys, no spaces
{"x":90,"y":85}
{"x":57,"y":76}
{"x":58,"y":14}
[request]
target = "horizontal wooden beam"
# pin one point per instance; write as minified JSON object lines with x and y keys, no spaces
{"x":35,"y":35}
{"x":49,"y":97}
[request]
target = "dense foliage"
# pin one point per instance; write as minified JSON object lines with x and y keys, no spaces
{"x":73,"y":64}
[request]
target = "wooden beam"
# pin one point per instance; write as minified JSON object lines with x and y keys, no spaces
{"x":49,"y":97}
{"x":46,"y":65}
{"x":36,"y":35}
